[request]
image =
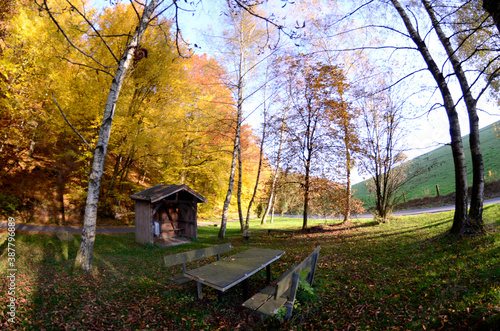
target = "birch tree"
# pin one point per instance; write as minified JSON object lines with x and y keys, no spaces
{"x":282,"y":123}
{"x":241,"y":42}
{"x":117,"y":70}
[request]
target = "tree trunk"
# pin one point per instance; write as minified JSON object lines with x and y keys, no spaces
{"x":460,"y":216}
{"x":272,"y":208}
{"x":84,"y":256}
{"x":261,"y":156}
{"x":306,"y":198}
{"x":347,"y":212}
{"x":259,"y":169}
{"x":493,"y":8}
{"x":270,"y":204}
{"x":240,"y":183}
{"x":33,"y":142}
{"x":227,"y":201}
{"x":60,"y":190}
{"x":6,"y":134}
{"x":475,"y":222}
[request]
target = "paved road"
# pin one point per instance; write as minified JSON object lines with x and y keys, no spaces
{"x":118,"y":230}
{"x":440,"y":209}
{"x":403,"y":213}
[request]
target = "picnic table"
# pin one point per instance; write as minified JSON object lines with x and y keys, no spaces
{"x":224,"y":274}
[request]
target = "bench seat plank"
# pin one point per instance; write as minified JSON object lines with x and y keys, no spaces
{"x":180,"y":279}
{"x":260,"y":298}
{"x":269,"y":300}
{"x":272,"y":306}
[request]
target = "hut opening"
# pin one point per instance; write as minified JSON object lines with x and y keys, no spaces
{"x":166,"y":211}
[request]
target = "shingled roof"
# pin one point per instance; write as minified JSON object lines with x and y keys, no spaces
{"x":158,"y":192}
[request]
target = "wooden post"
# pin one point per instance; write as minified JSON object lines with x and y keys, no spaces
{"x":404,"y":197}
{"x":198,"y":289}
{"x":437,"y":189}
{"x":291,"y":301}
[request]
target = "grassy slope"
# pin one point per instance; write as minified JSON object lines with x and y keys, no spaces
{"x":405,"y":274}
{"x":440,"y":169}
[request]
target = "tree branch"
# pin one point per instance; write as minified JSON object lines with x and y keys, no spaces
{"x":95,"y":30}
{"x":83,"y":65}
{"x":72,"y":127}
{"x":45,"y":7}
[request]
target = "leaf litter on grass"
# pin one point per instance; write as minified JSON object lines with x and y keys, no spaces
{"x":405,"y":274}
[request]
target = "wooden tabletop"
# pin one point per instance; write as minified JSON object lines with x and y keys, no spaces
{"x":226,"y":273}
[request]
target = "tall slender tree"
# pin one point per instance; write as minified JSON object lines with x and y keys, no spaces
{"x":383,"y":150}
{"x":461,"y":198}
{"x":474,"y":223}
{"x":312,"y":89}
{"x":242,"y":40}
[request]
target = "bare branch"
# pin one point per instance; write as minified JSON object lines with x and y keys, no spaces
{"x":95,"y":30}
{"x":352,"y":13}
{"x":369,"y":26}
{"x":45,"y":7}
{"x":84,"y":65}
{"x":178,"y":35}
{"x":72,"y":127}
{"x":251,"y":12}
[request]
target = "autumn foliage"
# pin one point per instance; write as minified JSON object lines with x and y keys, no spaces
{"x":173,"y":120}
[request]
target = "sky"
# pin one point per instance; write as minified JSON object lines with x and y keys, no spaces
{"x":426,"y":132}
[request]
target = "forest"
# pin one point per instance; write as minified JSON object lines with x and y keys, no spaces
{"x":101,"y":101}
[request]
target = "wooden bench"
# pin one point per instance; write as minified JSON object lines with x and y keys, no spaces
{"x":290,"y":232}
{"x":183,"y":258}
{"x":282,"y":293}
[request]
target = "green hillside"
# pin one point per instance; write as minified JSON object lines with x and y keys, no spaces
{"x":439,"y":170}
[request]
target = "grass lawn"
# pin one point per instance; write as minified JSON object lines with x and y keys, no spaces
{"x":405,"y":274}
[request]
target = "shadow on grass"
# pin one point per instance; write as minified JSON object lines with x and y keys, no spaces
{"x":349,"y":225}
{"x":128,"y":289}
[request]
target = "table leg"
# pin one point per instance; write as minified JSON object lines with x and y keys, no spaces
{"x":198,"y":287}
{"x":268,"y":273}
{"x":245,"y":289}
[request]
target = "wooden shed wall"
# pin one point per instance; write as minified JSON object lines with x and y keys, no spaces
{"x":143,"y":222}
{"x":188,"y":219}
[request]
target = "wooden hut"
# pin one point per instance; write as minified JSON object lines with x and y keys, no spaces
{"x":172,"y":207}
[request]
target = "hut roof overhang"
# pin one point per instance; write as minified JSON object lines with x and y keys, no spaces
{"x":159,"y":192}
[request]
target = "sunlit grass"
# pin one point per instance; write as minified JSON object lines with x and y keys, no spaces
{"x":404,"y":274}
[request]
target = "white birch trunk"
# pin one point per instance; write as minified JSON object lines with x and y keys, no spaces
{"x":84,"y":256}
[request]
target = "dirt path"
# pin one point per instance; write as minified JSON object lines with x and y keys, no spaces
{"x":73,"y":229}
